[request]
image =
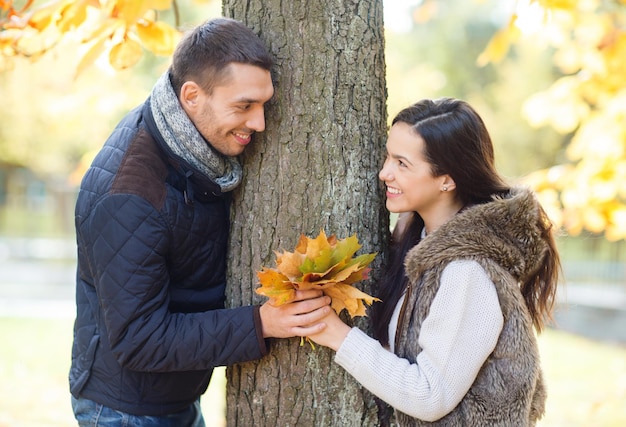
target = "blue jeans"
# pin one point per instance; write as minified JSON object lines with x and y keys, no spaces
{"x":92,"y":414}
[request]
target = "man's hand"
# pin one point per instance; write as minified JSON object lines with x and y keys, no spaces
{"x":299,"y":318}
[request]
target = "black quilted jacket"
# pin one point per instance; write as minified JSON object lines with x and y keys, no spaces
{"x":151,"y":237}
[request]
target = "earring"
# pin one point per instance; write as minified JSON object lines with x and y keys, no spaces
{"x":445,"y":188}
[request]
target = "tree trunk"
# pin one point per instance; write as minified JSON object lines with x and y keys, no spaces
{"x":315,"y":167}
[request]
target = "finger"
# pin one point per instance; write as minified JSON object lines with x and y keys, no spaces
{"x":307,"y":306}
{"x":311,"y":317}
{"x":307,"y":294}
{"x":305,"y":331}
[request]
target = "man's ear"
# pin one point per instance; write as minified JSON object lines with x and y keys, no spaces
{"x":190,"y":96}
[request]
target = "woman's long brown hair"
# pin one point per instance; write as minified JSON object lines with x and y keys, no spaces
{"x":457,"y":143}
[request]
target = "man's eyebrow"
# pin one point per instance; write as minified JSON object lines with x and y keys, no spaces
{"x":245,"y":100}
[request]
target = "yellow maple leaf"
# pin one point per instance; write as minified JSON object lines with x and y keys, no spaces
{"x":499,"y":45}
{"x":89,"y":57}
{"x":557,"y":4}
{"x":158,"y":37}
{"x":350,"y":298}
{"x":315,"y":247}
{"x":289,"y":263}
{"x":275,"y":286}
{"x":98,"y":43}
{"x":324,"y":263}
{"x":41,"y":18}
{"x":129,"y":10}
{"x":72,"y":16}
{"x":125,"y":54}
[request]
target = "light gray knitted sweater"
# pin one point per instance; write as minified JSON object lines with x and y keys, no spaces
{"x":501,"y":239}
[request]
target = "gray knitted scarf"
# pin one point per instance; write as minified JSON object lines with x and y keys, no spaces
{"x":185,"y":141}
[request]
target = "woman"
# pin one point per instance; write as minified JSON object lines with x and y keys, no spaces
{"x":473,"y":269}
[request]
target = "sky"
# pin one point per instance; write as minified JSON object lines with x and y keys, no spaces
{"x":398,"y":12}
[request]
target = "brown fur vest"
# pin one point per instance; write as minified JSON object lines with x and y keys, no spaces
{"x":502,"y":236}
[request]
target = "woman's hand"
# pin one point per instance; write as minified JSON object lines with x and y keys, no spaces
{"x":333,"y":334}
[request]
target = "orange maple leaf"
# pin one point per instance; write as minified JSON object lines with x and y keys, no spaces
{"x":324,"y":263}
{"x":276,"y":286}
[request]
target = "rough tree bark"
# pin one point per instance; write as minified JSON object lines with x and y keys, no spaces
{"x":315,"y":167}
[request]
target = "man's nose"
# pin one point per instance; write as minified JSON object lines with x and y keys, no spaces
{"x":256,"y":121}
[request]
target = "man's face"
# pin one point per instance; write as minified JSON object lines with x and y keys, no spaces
{"x":229,"y":116}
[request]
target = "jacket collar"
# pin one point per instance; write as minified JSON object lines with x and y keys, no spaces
{"x":183,"y":176}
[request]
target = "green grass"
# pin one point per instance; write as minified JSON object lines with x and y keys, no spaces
{"x":34,"y":364}
{"x":586,"y":380}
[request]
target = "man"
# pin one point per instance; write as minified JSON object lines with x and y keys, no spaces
{"x":152,"y":221}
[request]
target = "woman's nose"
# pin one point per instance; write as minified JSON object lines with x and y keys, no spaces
{"x":385,"y":174}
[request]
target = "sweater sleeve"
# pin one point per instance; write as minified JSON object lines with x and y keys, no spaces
{"x":457,"y":336}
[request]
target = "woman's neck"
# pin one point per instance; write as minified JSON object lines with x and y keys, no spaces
{"x":437,"y":218}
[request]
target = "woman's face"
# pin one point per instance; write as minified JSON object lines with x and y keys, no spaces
{"x":411,"y":186}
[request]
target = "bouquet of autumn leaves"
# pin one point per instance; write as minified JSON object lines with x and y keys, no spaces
{"x":324,"y":263}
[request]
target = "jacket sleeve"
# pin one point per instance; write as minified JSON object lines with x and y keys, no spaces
{"x":128,"y":242}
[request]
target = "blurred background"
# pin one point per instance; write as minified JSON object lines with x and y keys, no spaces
{"x":547,"y":76}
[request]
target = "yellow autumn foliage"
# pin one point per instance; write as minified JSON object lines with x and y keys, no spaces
{"x":588,"y":37}
{"x":122,"y":29}
{"x":589,"y":104}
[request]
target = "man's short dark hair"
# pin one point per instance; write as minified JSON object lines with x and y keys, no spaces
{"x":203,"y":55}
